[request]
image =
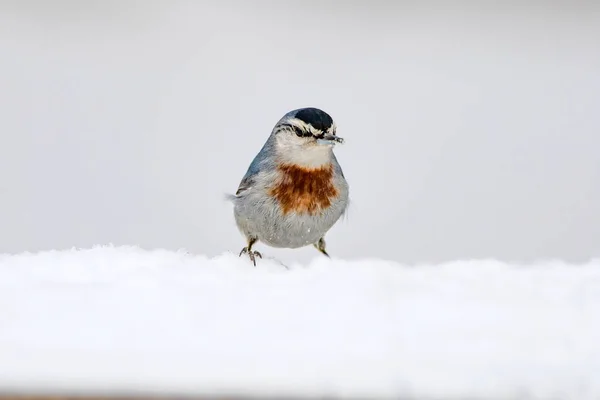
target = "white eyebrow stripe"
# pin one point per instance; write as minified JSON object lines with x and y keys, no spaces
{"x":309,"y":128}
{"x":332,"y":128}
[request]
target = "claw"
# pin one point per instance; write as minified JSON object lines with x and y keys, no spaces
{"x":320,"y":245}
{"x":252,"y":254}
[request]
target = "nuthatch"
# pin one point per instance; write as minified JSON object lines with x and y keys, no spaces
{"x":294,"y":190}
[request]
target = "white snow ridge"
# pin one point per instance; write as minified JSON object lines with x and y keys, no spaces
{"x":126,"y":319}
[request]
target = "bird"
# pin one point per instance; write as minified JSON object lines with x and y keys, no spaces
{"x":294,"y":190}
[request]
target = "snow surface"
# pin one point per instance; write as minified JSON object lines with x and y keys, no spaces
{"x":123,"y":318}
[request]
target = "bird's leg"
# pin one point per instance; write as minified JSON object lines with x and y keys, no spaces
{"x":320,"y":245}
{"x":251,"y":253}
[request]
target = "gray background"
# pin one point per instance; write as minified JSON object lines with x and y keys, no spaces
{"x":471,"y":131}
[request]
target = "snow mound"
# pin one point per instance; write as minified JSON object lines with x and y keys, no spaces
{"x":126,"y":319}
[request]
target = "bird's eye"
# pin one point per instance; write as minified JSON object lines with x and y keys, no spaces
{"x":299,"y":132}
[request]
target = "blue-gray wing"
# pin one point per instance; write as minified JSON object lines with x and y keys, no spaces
{"x":338,"y":171}
{"x":246,"y":184}
{"x":336,"y":166}
{"x":255,"y":167}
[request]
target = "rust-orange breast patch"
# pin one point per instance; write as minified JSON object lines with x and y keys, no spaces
{"x":304,"y":190}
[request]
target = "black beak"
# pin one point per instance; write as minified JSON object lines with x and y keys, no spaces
{"x":329,"y":139}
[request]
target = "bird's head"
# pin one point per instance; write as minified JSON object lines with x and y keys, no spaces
{"x":305,"y":137}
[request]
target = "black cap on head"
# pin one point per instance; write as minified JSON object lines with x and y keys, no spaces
{"x":319,"y":119}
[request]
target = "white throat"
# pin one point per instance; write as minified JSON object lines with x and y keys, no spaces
{"x":310,"y":157}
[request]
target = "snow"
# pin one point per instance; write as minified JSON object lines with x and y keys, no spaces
{"x":128,"y":319}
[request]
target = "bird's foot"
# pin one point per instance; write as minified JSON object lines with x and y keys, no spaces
{"x":251,"y":253}
{"x":320,"y":245}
